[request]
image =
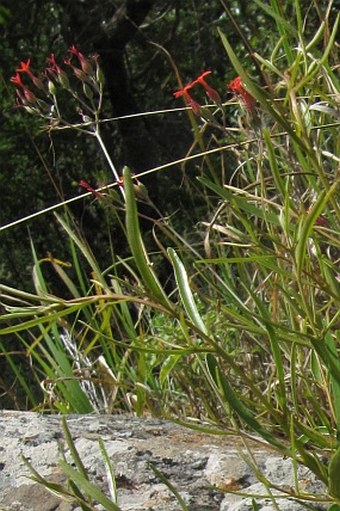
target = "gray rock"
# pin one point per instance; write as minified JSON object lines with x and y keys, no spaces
{"x":203,"y":468}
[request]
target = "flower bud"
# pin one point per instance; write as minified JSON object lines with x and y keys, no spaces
{"x":29,"y":97}
{"x":51,"y":88}
{"x":87,"y":91}
{"x":63,"y":79}
{"x":100,"y":76}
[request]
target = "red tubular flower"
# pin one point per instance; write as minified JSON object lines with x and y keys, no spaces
{"x":25,"y":68}
{"x":85,"y":64}
{"x":78,"y":73}
{"x":17,"y":80}
{"x":237,"y":88}
{"x":56,"y":72}
{"x":29,"y":96}
{"x":211,"y":92}
{"x":26,"y":96}
{"x":196,"y":108}
{"x":89,"y":188}
{"x":53,"y":64}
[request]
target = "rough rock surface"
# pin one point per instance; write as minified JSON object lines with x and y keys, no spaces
{"x":203,"y":468}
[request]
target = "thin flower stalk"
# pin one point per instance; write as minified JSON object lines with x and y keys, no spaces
{"x":84,"y":85}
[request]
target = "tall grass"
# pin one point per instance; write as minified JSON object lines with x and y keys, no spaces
{"x":247,"y":340}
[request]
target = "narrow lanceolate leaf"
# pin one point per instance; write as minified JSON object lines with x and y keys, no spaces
{"x":137,"y":246}
{"x":334,"y":475}
{"x":74,"y":453}
{"x":306,"y":225}
{"x":82,"y":247}
{"x":331,"y":344}
{"x":185,"y":292}
{"x":244,"y":413}
{"x":171,"y":487}
{"x":89,"y":488}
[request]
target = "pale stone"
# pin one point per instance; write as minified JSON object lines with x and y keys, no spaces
{"x":203,"y":468}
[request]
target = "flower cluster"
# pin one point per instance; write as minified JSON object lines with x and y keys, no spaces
{"x":37,"y":93}
{"x":235,"y":86}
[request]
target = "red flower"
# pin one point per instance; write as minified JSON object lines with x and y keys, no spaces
{"x":78,"y":73}
{"x":196,"y":108}
{"x":17,"y":80}
{"x":55,"y":70}
{"x":26,"y":96}
{"x":29,"y":96}
{"x":53,"y":64}
{"x":25,"y":68}
{"x":237,"y":88}
{"x":85,"y":64}
{"x":211,"y":93}
{"x":85,"y":184}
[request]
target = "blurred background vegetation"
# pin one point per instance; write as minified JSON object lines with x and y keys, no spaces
{"x":38,"y":171}
{"x":142,"y":45}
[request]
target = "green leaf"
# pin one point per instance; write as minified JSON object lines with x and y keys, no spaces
{"x":137,"y":246}
{"x":167,"y":366}
{"x":185,"y":292}
{"x":110,"y":474}
{"x":306,"y":225}
{"x":334,"y":474}
{"x":85,"y":250}
{"x":171,"y":487}
{"x":335,"y":382}
{"x":73,"y":451}
{"x":242,"y":411}
{"x":89,"y":488}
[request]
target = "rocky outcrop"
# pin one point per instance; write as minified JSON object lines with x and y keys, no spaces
{"x":204,"y":469}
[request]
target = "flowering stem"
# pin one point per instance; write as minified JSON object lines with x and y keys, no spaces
{"x":108,"y":158}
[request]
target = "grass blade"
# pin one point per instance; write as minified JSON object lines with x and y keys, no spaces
{"x":89,"y":488}
{"x":173,"y":490}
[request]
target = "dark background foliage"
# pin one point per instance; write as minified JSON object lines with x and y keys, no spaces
{"x":131,"y":37}
{"x":137,"y":41}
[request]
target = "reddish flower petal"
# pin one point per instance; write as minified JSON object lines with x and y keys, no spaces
{"x":237,"y":88}
{"x":74,"y":50}
{"x":177,"y":93}
{"x":17,"y":80}
{"x":210,"y":91}
{"x":25,"y":67}
{"x":236,"y":85}
{"x":53,"y":63}
{"x":203,"y":75}
{"x":196,"y":108}
{"x":184,"y":91}
{"x":89,"y":188}
{"x":84,"y":62}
